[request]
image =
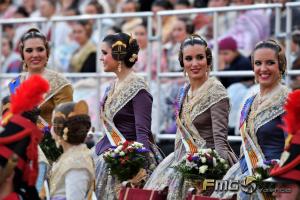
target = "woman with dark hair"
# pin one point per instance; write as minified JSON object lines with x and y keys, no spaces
{"x":73,"y":175}
{"x":84,"y":58}
{"x":126,"y":109}
{"x":35,"y":51}
{"x":202,"y":116}
{"x":261,"y":117}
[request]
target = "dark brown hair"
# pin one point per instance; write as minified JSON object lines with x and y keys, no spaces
{"x":124,"y":48}
{"x":191,"y":41}
{"x":33,"y":33}
{"x":77,"y":126}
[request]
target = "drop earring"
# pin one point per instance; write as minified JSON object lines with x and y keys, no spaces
{"x":120,"y":66}
{"x":57,"y":143}
{"x":24,"y":66}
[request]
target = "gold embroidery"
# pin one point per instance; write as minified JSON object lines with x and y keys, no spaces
{"x":56,"y":81}
{"x":77,"y":157}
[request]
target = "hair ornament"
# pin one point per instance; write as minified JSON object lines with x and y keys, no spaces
{"x":65,"y":135}
{"x":133,"y":58}
{"x":119,"y":43}
{"x":119,"y":50}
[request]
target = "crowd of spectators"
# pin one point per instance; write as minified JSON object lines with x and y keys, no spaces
{"x":76,"y":42}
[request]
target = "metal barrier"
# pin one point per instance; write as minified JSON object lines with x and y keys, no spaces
{"x":289,"y":7}
{"x":215,"y":71}
{"x":99,"y":74}
{"x":99,"y":18}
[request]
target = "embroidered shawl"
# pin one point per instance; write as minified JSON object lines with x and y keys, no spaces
{"x":56,"y":81}
{"x":210,"y":93}
{"x":264,"y":113}
{"x":117,"y":97}
{"x":77,"y":157}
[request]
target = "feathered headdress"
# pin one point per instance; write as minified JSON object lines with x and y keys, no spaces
{"x":289,"y":165}
{"x":27,"y":96}
{"x":292,"y":117}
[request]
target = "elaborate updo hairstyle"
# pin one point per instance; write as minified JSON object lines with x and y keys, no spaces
{"x":71,"y":122}
{"x":30,"y":34}
{"x":191,"y":41}
{"x":124,"y":48}
{"x":272,"y":44}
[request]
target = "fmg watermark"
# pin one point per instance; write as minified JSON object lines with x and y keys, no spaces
{"x":248,"y":185}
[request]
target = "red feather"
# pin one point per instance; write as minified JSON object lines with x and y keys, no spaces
{"x":292,"y":117}
{"x":29,"y":94}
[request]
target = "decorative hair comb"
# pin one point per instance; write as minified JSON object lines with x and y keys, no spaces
{"x":119,"y":43}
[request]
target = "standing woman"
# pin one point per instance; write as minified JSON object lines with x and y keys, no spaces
{"x":126,"y":108}
{"x":72,"y":176}
{"x":202,"y":115}
{"x":262,"y":138}
{"x":34,"y":49}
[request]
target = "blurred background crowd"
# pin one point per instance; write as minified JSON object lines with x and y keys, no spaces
{"x":76,"y":43}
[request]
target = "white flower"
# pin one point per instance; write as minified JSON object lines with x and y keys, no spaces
{"x":191,"y":164}
{"x":203,"y":159}
{"x":116,"y":151}
{"x":112,"y":154}
{"x":207,"y":151}
{"x":122,"y":153}
{"x":222,"y":160}
{"x":214,"y":162}
{"x":152,"y":167}
{"x":201,"y":151}
{"x":226,"y":166}
{"x":203,"y":169}
{"x":258,"y":176}
{"x":137,"y":144}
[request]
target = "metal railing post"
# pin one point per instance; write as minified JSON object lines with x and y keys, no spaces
{"x":215,"y":43}
{"x":277,"y":22}
{"x":288,"y":41}
{"x":159,"y":37}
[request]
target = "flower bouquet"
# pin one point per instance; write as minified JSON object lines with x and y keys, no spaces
{"x":204,"y":164}
{"x":126,"y":160}
{"x":263,"y":172}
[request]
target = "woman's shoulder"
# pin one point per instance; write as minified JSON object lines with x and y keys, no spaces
{"x":56,"y":80}
{"x":138,"y":82}
{"x":49,"y":73}
{"x":216,"y":89}
{"x":78,"y":158}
